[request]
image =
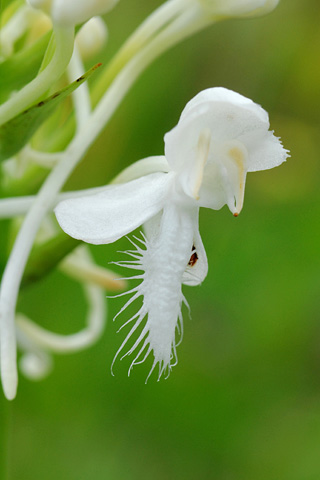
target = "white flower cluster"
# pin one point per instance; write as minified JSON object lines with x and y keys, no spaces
{"x":220,"y":136}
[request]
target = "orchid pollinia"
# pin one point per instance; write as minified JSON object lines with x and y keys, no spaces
{"x":220,"y":136}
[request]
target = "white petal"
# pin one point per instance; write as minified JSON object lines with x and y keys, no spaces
{"x":109,"y":215}
{"x":228,"y":175}
{"x":197,"y":268}
{"x":151,"y":227}
{"x":141,"y":168}
{"x":265,"y":151}
{"x":212,"y":193}
{"x":227,"y":114}
{"x":191,"y":178}
{"x":231,"y":119}
{"x":220,"y":94}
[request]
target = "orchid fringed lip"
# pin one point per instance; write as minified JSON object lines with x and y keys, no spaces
{"x":220,"y":136}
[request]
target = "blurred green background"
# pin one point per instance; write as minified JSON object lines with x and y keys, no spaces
{"x":244,"y":400}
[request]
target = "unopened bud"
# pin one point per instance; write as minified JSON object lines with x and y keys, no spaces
{"x":92,"y":37}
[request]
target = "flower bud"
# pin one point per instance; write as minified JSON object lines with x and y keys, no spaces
{"x":71,"y":12}
{"x":91,"y":37}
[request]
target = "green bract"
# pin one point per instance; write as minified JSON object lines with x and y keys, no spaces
{"x":18,"y":131}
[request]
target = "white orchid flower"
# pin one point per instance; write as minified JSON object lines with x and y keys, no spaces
{"x":72,"y":12}
{"x":221,"y":136}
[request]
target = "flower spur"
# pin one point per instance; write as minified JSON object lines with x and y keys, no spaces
{"x":220,"y":136}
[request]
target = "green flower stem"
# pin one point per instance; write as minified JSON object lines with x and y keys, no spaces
{"x":39,"y":85}
{"x":182,"y":27}
{"x":148,"y":29}
{"x":17,"y":206}
{"x":80,"y":97}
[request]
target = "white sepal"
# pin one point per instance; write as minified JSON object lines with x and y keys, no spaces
{"x":109,"y":215}
{"x":197,"y":268}
{"x":154,"y":164}
{"x":237,"y":140}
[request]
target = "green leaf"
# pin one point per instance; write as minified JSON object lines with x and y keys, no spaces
{"x":18,"y":131}
{"x":21,"y":68}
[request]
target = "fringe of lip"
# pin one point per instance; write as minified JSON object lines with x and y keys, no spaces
{"x":158,"y":315}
